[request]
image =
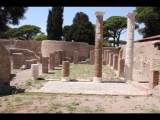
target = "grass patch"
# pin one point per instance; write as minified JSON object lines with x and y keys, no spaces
{"x":55,"y":106}
{"x":28,"y":83}
{"x":127,"y":96}
{"x":154,"y":111}
{"x":74,"y":103}
{"x":71,"y":108}
{"x":86,"y":109}
{"x":99,"y":109}
{"x":18,"y":99}
{"x":8,"y":110}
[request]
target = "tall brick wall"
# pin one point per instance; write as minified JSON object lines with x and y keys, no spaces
{"x":49,"y":46}
{"x":5,"y":66}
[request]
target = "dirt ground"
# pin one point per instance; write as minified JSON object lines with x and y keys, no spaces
{"x":79,"y":103}
{"x":28,"y":102}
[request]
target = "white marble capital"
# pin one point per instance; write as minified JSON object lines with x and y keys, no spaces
{"x":131,"y":14}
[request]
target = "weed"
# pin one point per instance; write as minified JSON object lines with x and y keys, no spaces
{"x":71,"y":108}
{"x":59,"y":112}
{"x":99,"y":109}
{"x":75,"y":103}
{"x":85,"y":109}
{"x":154,"y":111}
{"x":28,"y":83}
{"x":18,"y":99}
{"x":55,"y":106}
{"x":127,"y":96}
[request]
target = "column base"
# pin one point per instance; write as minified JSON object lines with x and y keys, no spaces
{"x":97,"y":79}
{"x":127,"y":81}
{"x":65,"y":79}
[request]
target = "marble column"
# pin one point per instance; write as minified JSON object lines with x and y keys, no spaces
{"x":98,"y":47}
{"x":34,"y":71}
{"x":129,"y":47}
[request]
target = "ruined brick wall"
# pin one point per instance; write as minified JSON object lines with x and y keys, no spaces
{"x":23,"y":44}
{"x":27,"y":53}
{"x":114,"y":50}
{"x":49,"y":46}
{"x":5,"y":66}
{"x":146,"y":57}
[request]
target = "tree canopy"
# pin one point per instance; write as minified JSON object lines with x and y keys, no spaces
{"x":25,"y":32}
{"x":40,"y":37}
{"x":54,"y":23}
{"x":114,"y":26}
{"x":150,"y":16}
{"x":11,"y":15}
{"x":82,"y":30}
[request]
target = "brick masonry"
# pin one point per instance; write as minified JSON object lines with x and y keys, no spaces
{"x":115,"y":62}
{"x":121,"y":63}
{"x":154,"y":78}
{"x":5,"y":66}
{"x":75,"y":57}
{"x":18,"y":59}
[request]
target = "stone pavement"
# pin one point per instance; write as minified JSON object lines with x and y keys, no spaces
{"x":91,"y":88}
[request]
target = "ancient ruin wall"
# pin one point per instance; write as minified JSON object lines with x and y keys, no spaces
{"x":146,"y":57}
{"x":5,"y":66}
{"x":27,"y":53}
{"x":23,"y":44}
{"x":50,"y":46}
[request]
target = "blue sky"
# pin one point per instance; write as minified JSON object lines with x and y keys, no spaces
{"x":38,"y":16}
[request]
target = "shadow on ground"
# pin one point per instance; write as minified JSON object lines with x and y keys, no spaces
{"x":9,"y":90}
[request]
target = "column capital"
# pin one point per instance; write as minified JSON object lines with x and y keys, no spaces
{"x":97,"y":13}
{"x":131,"y":14}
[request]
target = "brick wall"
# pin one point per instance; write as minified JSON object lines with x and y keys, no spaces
{"x":5,"y":65}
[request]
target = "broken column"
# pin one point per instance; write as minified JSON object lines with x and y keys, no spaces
{"x":107,"y":57}
{"x":120,"y":53}
{"x":115,"y":62}
{"x":60,"y":56}
{"x":110,"y":59}
{"x":98,"y":47}
{"x":121,"y":63}
{"x":34,"y":71}
{"x":105,"y":54}
{"x":57,"y":58}
{"x":17,"y":60}
{"x":129,"y":47}
{"x":52,"y":61}
{"x":44,"y":64}
{"x":75,"y":57}
{"x":154,"y":78}
{"x":65,"y":71}
{"x":92,"y":56}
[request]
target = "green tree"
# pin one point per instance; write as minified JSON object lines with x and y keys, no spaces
{"x":40,"y":37}
{"x":150,"y":16}
{"x":114,"y":26}
{"x":25,"y":32}
{"x":11,"y":15}
{"x":54,"y":23}
{"x":66,"y":32}
{"x":10,"y":33}
{"x":49,"y":25}
{"x":82,"y":29}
